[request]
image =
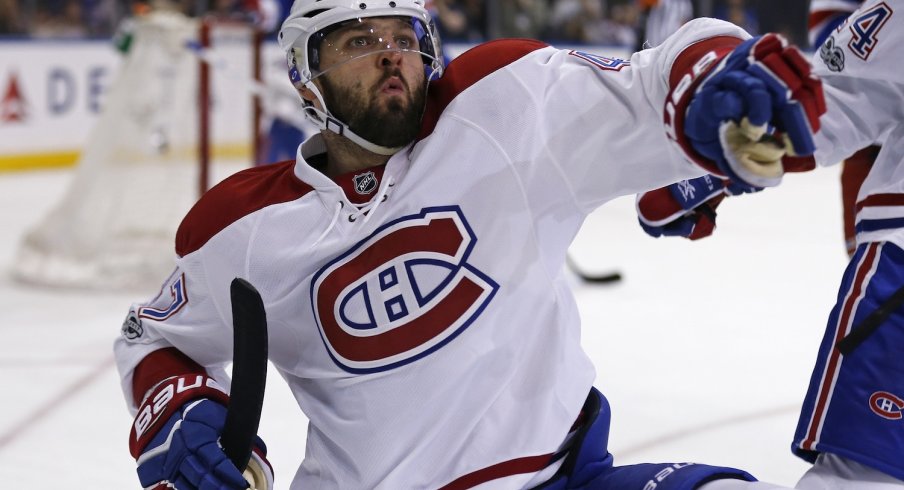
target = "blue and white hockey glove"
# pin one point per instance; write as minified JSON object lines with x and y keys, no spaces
{"x":175,"y":440}
{"x":738,"y":114}
{"x":686,"y":208}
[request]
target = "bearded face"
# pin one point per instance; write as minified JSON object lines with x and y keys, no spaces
{"x":386,"y":120}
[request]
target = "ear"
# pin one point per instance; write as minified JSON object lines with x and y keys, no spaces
{"x":307,"y":94}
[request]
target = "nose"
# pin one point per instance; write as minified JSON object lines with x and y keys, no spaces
{"x":390,"y":58}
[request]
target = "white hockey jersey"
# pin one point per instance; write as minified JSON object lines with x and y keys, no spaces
{"x":863,"y":79}
{"x":418,"y":310}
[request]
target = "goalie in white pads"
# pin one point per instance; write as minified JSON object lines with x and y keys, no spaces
{"x":411,"y":257}
{"x":850,"y":423}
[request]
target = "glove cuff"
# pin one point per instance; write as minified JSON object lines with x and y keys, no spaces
{"x":688,"y":72}
{"x":165,"y":399}
{"x":662,"y":206}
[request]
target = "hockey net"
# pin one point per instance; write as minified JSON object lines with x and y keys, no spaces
{"x":180,"y":115}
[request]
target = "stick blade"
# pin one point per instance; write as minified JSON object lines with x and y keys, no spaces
{"x":601,"y":278}
{"x":249,"y":373}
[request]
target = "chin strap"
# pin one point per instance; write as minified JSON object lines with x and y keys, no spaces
{"x":325,"y":120}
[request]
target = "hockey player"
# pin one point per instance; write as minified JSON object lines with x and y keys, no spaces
{"x":411,"y":257}
{"x":850,"y":422}
{"x":825,"y":17}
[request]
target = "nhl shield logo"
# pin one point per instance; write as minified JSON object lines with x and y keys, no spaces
{"x":365,"y":183}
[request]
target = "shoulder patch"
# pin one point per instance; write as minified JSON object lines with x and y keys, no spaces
{"x":832,"y":55}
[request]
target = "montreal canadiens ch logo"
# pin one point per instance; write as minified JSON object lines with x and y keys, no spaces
{"x":887,"y":405}
{"x":402,"y":293}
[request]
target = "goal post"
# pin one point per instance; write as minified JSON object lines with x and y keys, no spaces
{"x":210,"y":27}
{"x":180,"y":115}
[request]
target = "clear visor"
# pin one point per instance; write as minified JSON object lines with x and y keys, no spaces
{"x":347,"y":41}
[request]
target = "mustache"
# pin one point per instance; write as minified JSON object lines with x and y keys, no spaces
{"x":387,"y":74}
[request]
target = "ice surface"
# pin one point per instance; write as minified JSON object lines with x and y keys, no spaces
{"x":704,"y":349}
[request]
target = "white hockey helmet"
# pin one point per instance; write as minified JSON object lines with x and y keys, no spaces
{"x":310,"y":21}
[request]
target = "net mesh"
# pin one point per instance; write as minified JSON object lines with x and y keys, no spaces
{"x":138,"y":174}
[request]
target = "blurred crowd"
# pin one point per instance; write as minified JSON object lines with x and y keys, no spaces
{"x":625,"y":23}
{"x":74,"y":19}
{"x":628,"y":23}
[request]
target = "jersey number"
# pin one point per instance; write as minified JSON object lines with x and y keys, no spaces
{"x":866,"y":27}
{"x":179,"y":299}
{"x":601,"y":62}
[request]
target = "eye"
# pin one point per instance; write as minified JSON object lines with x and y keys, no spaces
{"x":360,"y":41}
{"x":406,"y":41}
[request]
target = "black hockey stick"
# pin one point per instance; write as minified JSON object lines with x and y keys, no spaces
{"x":592,"y":278}
{"x":249,"y":373}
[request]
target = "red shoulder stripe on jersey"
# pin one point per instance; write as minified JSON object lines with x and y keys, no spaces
{"x":236,"y":197}
{"x":469,"y":68}
{"x":159,"y":365}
